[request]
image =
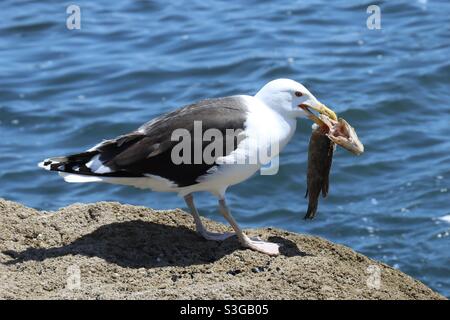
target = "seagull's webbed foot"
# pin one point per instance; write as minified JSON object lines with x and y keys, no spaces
{"x":257,"y":244}
{"x":215,"y":236}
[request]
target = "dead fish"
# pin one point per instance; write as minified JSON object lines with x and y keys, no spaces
{"x":327,"y":133}
{"x":320,"y":157}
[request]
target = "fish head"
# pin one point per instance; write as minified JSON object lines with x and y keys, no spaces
{"x":337,"y":130}
{"x":343,"y":134}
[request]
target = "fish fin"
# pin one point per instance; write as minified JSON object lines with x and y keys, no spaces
{"x":325,"y":188}
{"x":329,"y":161}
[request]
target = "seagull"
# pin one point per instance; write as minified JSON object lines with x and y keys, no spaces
{"x":205,"y":146}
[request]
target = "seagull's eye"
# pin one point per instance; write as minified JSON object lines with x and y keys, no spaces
{"x":298,"y":93}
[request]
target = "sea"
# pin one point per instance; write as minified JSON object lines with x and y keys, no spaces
{"x":75,"y":73}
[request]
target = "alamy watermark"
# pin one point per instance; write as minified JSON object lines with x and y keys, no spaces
{"x":73,"y":21}
{"x":373,"y":281}
{"x":73,"y":277}
{"x":232,"y":146}
{"x":373,"y":22}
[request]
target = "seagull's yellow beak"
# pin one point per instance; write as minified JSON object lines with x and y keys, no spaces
{"x":321,"y":109}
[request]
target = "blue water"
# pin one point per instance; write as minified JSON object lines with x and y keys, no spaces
{"x":62,"y":91}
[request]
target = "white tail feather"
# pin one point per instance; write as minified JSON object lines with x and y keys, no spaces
{"x":77,"y":178}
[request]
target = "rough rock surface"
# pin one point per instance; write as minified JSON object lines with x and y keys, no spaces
{"x":127,"y":252}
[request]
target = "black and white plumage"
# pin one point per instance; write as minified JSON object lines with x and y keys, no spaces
{"x":146,"y":152}
{"x":143,"y":158}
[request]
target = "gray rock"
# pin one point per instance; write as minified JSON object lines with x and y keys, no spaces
{"x":107,"y":246}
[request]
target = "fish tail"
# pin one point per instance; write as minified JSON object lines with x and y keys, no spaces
{"x":312,"y":210}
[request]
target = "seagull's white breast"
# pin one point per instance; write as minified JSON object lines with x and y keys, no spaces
{"x":268,"y":128}
{"x":266,"y":134}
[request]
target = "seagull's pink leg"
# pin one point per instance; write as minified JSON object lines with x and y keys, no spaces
{"x":254,"y":244}
{"x":189,"y":199}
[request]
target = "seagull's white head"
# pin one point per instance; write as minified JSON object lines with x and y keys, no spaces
{"x":291,"y":99}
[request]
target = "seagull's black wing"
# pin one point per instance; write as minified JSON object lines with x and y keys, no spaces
{"x":148,"y":150}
